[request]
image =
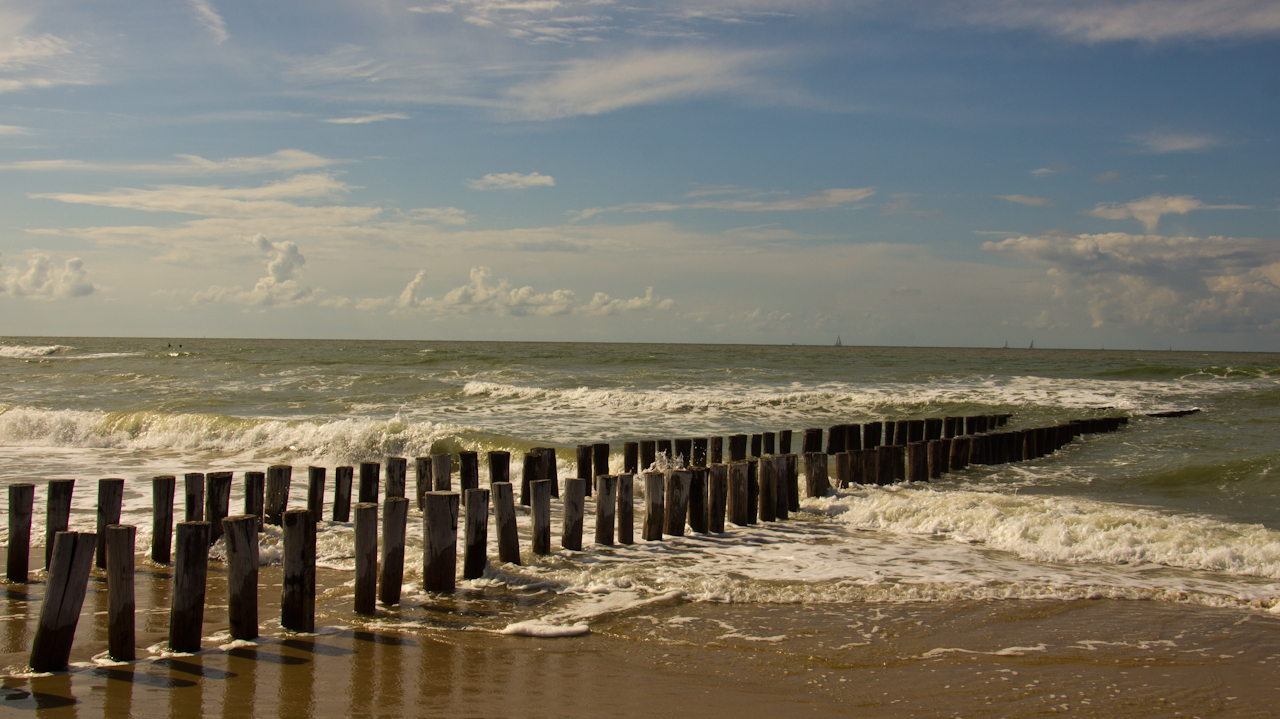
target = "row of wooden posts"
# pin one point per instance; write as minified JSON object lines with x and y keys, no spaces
{"x":703,"y":495}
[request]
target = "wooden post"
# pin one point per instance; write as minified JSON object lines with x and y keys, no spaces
{"x":835,"y":439}
{"x":699,"y":457}
{"x":768,"y":490}
{"x":676,"y":505}
{"x":937,"y":459}
{"x":64,"y":592}
{"x":217,"y":499}
{"x":193,"y":494}
{"x":781,"y":504}
{"x":162,"y":489}
{"x":665,"y":447}
{"x":397,"y":469}
{"x":871,"y":435}
{"x":853,"y":438}
{"x":342,"y":477}
{"x":855,"y":467}
{"x":753,"y":492}
{"x":769,"y":443}
{"x":468,"y":474}
{"x":442,"y":472}
{"x":653,"y":506}
{"x":715,"y":454}
{"x":499,"y":467}
{"x":890,"y":429}
{"x":476,"y":534}
{"x":959,"y":453}
{"x":793,"y":482}
{"x":949,"y":430}
{"x":120,"y":599}
{"x":395,"y":518}
{"x":366,"y":552}
{"x":842,"y":470}
{"x":915,"y":430}
{"x":631,"y":457}
{"x":254,"y":497}
{"x":532,"y":465}
{"x":110,"y":500}
{"x":279,"y":479}
{"x":698,"y":499}
{"x":504,"y":514}
{"x":541,"y":510}
{"x":21,"y":504}
{"x":369,"y":479}
{"x":738,"y":493}
{"x":757,"y":445}
{"x":626,"y":508}
{"x":899,"y":459}
{"x":648,"y":454}
{"x":871,"y":466}
{"x":738,"y":448}
{"x":549,"y":470}
{"x":422,"y":478}
{"x":190,"y":570}
{"x":242,"y":575}
{"x":315,"y":493}
{"x":784,"y":441}
{"x":586,"y":461}
{"x":933,"y":428}
{"x":717,"y":496}
{"x":599,"y":453}
{"x":815,"y":474}
{"x":684,"y":451}
{"x":812,"y":440}
{"x":918,"y":461}
{"x":575,"y":491}
{"x":298,"y":585}
{"x":902,"y":433}
{"x":58,"y":513}
{"x":606,"y":508}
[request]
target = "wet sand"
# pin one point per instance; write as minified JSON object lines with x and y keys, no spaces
{"x":964,"y":659}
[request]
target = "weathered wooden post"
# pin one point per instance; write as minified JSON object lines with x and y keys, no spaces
{"x":684,"y":450}
{"x":395,"y":518}
{"x":315,"y":493}
{"x":370,"y":476}
{"x":835,"y":439}
{"x":769,"y":443}
{"x":242,"y":575}
{"x":575,"y":491}
{"x":64,"y":592}
{"x":842,"y":470}
{"x":737,"y":448}
{"x":676,"y":505}
{"x":504,"y":515}
{"x":698,"y":499}
{"x":768,"y":490}
{"x":815,"y":474}
{"x":739,"y":510}
{"x":162,"y":490}
{"x":780,"y":501}
{"x":57,"y":517}
{"x":715,"y":454}
{"x":532,"y":465}
{"x":937,"y":460}
{"x":699,"y":452}
{"x":217,"y":502}
{"x":499,"y":467}
{"x":422,"y":478}
{"x":665,"y":447}
{"x":440,"y":541}
{"x":871,"y":435}
{"x":476,"y":534}
{"x":855,"y":467}
{"x":915,"y":430}
{"x":902,"y":432}
{"x":654,"y":508}
{"x":918,"y":461}
{"x":626,"y":508}
{"x":442,"y":472}
{"x":549,"y":470}
{"x":606,"y":508}
{"x":22,"y":499}
{"x":784,"y":441}
{"x":949,"y":430}
{"x":793,"y":482}
{"x":468,"y":474}
{"x":342,"y":477}
{"x":254,"y":497}
{"x":193,"y":495}
{"x":757,"y":445}
{"x":366,"y":593}
{"x":885,"y":462}
{"x":120,"y":598}
{"x":586,"y":462}
{"x":871,"y":466}
{"x":648,"y":454}
{"x":190,"y":570}
{"x":110,"y":500}
{"x":933,"y":428}
{"x":959,"y":453}
{"x":397,"y":469}
{"x":753,"y":492}
{"x":298,"y":587}
{"x":541,"y":510}
{"x":279,"y":479}
{"x":812,"y":440}
{"x":631,"y":457}
{"x":717,"y":496}
{"x":600,"y":453}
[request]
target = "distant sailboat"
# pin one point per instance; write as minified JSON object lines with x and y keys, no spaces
{"x":1033,"y":345}
{"x":1006,"y":344}
{"x":838,"y":342}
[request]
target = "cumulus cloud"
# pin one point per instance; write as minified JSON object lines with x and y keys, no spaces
{"x":511,"y":181}
{"x":279,"y":288}
{"x":366,"y":119}
{"x":43,"y":281}
{"x":1161,"y":143}
{"x":485,"y":294}
{"x":822,"y":200}
{"x":279,"y":161}
{"x":1028,"y":201}
{"x":1150,"y":209}
{"x":211,"y":20}
{"x":1153,"y":281}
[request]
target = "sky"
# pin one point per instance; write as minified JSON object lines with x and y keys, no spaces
{"x":1077,"y":173}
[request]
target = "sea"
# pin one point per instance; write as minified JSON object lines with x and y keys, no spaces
{"x":1180,"y":511}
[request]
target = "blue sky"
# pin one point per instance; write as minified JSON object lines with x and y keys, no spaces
{"x":1081,"y":173}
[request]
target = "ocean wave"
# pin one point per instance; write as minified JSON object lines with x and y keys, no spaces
{"x":28,"y":351}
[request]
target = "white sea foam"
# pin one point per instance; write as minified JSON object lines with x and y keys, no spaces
{"x":27,"y":351}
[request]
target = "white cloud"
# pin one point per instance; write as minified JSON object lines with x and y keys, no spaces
{"x":1094,"y":21}
{"x":602,"y":304}
{"x":511,"y":181}
{"x":1150,"y":209}
{"x":366,"y":119}
{"x":210,"y":18}
{"x":822,"y":200}
{"x":12,"y":130}
{"x":1043,"y":172}
{"x":279,"y":288}
{"x":1028,"y":201}
{"x":440,"y":215}
{"x":1161,"y":143}
{"x":279,"y":161}
{"x":1152,"y":281}
{"x":35,"y":61}
{"x":43,"y":281}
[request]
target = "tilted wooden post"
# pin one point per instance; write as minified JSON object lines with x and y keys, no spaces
{"x":606,"y":508}
{"x":120,"y":597}
{"x":654,"y":508}
{"x":22,"y":499}
{"x":366,"y":540}
{"x":298,"y":586}
{"x":440,"y":541}
{"x":162,"y":490}
{"x":64,"y":593}
{"x":242,"y":575}
{"x":626,"y":508}
{"x":190,"y":572}
{"x":504,"y":515}
{"x":57,"y":516}
{"x":395,"y":521}
{"x":110,"y":500}
{"x":475,"y":552}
